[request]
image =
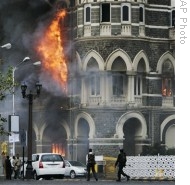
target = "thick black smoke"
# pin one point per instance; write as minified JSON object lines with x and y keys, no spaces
{"x":21,"y":21}
{"x":18,"y":21}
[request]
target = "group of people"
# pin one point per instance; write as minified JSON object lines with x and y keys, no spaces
{"x":120,"y":163}
{"x":12,"y":167}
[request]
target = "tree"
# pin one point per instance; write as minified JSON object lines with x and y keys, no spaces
{"x":2,"y":130}
{"x":6,"y":85}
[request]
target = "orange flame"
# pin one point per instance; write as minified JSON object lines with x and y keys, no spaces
{"x":50,"y":50}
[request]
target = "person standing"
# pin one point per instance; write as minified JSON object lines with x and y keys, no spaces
{"x":121,"y":163}
{"x":12,"y":164}
{"x":90,"y":162}
{"x":8,"y":168}
{"x":17,"y":166}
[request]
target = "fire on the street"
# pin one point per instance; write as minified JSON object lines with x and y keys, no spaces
{"x":51,"y":51}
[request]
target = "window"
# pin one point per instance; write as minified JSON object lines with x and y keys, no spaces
{"x":166,"y":87}
{"x":173,"y":18}
{"x":95,"y":85}
{"x":87,"y":14}
{"x":125,"y":13}
{"x":141,"y":14}
{"x":105,"y":12}
{"x":138,"y":85}
{"x":117,"y":84}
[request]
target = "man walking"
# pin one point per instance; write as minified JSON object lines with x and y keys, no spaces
{"x":121,"y":162}
{"x":90,"y":161}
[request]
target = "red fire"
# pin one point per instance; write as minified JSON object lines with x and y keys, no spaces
{"x":51,"y":51}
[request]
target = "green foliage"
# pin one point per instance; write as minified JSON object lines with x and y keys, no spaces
{"x":6,"y":83}
{"x":2,"y":130}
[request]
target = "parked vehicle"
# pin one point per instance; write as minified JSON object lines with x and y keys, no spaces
{"x":47,"y":165}
{"x":75,"y":169}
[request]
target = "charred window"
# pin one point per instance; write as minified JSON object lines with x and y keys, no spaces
{"x":141,"y":14}
{"x":117,"y":81}
{"x":125,"y":16}
{"x":105,"y":12}
{"x":87,"y":14}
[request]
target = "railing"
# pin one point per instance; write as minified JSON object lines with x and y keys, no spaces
{"x":126,"y":30}
{"x":142,"y":30}
{"x":105,"y":29}
{"x":167,"y":101}
{"x":138,"y":100}
{"x":95,"y":100}
{"x":118,"y":100}
{"x":87,"y":30}
{"x":172,"y":33}
{"x":150,"y":166}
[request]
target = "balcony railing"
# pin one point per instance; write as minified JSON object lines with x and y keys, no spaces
{"x":87,"y":30}
{"x":105,"y":30}
{"x":122,"y":100}
{"x":172,"y":33}
{"x":168,"y":101}
{"x":126,"y":29}
{"x":95,"y":100}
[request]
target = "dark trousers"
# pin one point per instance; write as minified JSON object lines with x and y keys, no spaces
{"x":120,"y":172}
{"x":16,"y":174}
{"x":8,"y":174}
{"x":91,"y":167}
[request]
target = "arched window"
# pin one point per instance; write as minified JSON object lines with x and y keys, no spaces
{"x":141,"y":14}
{"x":118,"y":76}
{"x":167,"y":79}
{"x":87,"y":14}
{"x":173,"y":18}
{"x":117,"y":80}
{"x":94,"y":77}
{"x":95,"y":84}
{"x":138,"y":80}
{"x":125,"y":13}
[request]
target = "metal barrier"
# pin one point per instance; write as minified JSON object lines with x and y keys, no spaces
{"x":150,"y":166}
{"x":157,"y":167}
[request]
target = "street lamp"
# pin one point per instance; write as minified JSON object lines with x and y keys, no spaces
{"x":30,"y":97}
{"x":13,"y":77}
{"x":26,"y":59}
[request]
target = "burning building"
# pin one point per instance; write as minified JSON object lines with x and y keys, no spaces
{"x":114,"y":63}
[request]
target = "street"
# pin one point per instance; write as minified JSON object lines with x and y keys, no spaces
{"x":83,"y":181}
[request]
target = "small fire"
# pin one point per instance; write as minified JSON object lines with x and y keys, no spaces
{"x":50,"y":49}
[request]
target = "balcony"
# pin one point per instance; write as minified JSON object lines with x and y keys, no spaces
{"x":141,"y":30}
{"x":125,"y":29}
{"x":118,"y":100}
{"x":95,"y":100}
{"x":172,"y":33}
{"x":105,"y":29}
{"x":87,"y":30}
{"x":168,"y":101}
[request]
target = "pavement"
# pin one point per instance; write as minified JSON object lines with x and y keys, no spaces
{"x":82,"y":181}
{"x":2,"y":178}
